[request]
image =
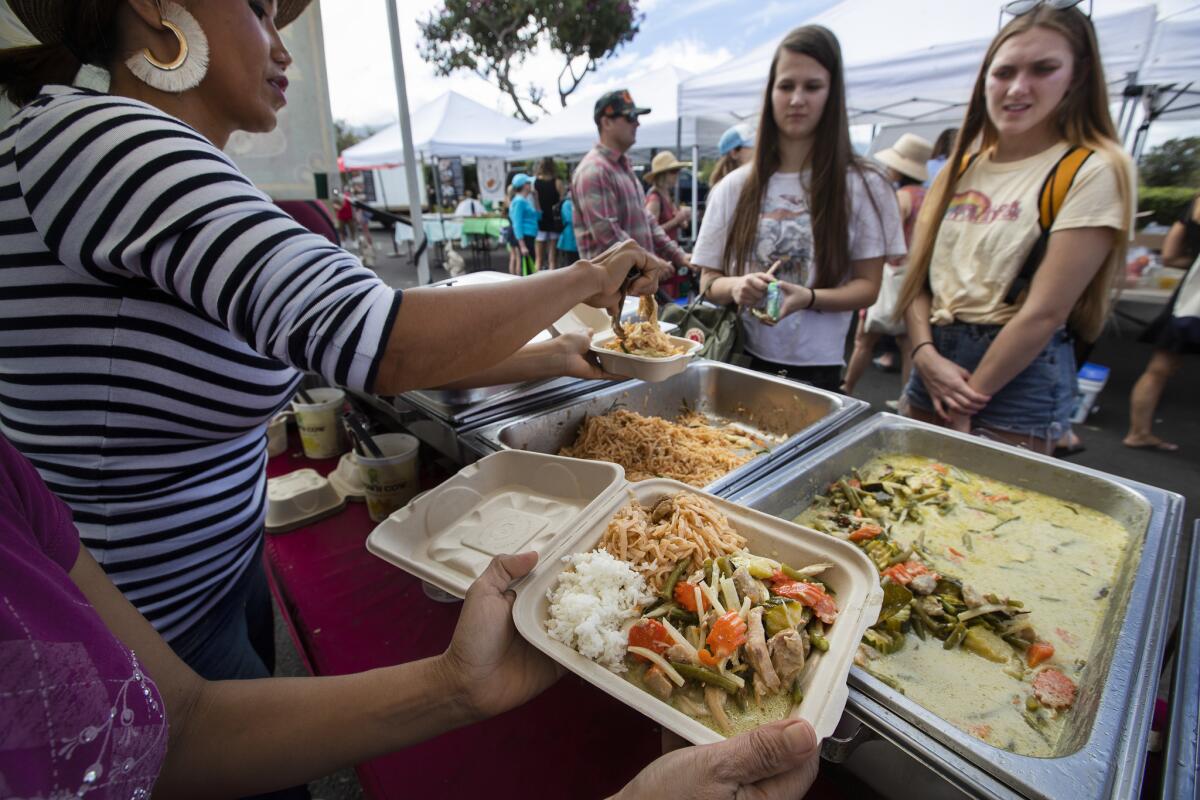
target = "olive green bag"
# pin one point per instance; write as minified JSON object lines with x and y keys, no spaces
{"x":719,"y":327}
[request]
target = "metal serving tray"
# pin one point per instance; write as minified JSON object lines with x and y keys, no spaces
{"x":1103,"y":756}
{"x":755,"y":400}
{"x":1183,"y":741}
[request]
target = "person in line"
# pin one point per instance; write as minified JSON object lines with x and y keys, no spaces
{"x":549,"y":190}
{"x":524,"y":216}
{"x":942,"y":148}
{"x":906,"y":169}
{"x":734,"y":149}
{"x":663,"y":177}
{"x":345,"y":219}
{"x":469,"y":206}
{"x":992,"y":323}
{"x":1181,"y":248}
{"x":508,"y":236}
{"x":97,"y":702}
{"x":610,"y":204}
{"x":566,"y":240}
{"x":167,"y":307}
{"x":806,"y":205}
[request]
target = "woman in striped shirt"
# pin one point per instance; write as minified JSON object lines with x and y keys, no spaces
{"x":155,"y":307}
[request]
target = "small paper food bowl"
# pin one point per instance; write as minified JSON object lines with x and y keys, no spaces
{"x":514,"y":501}
{"x":346,"y":480}
{"x":643,"y":368}
{"x":299,"y":498}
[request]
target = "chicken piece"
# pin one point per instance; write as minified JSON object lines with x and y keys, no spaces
{"x":765,"y":680}
{"x":679,"y":654}
{"x":924,"y":584}
{"x":657,"y":682}
{"x":1054,"y":689}
{"x":787,"y":655}
{"x":971,"y":597}
{"x":662,"y":509}
{"x":931,"y":606}
{"x":748,"y":586}
{"x":714,"y":698}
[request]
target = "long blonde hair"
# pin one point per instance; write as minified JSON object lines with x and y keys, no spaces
{"x":1084,"y":120}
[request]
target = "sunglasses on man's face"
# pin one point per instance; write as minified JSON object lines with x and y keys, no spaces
{"x":631,"y":118}
{"x":1017,"y":8}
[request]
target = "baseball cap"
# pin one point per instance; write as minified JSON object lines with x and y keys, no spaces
{"x":520,"y":179}
{"x":740,"y":135}
{"x":617,"y":103}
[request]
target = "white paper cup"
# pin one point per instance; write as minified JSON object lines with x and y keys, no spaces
{"x":320,"y":424}
{"x":391,"y":481}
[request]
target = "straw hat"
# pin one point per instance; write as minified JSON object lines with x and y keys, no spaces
{"x":908,"y":156}
{"x":665,"y":162}
{"x":44,"y":18}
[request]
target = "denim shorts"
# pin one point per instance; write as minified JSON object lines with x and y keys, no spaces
{"x":1036,"y":403}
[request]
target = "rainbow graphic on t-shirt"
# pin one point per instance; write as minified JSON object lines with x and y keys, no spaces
{"x":969,"y":206}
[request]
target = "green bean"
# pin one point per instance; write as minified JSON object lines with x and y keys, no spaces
{"x":725,"y":567}
{"x":669,"y":586}
{"x":792,"y":573}
{"x":819,"y":642}
{"x":851,"y":495}
{"x":890,"y":682}
{"x":967,"y":543}
{"x":956,"y":637}
{"x":706,"y":676}
{"x":918,"y":627}
{"x":926,"y":620}
{"x":797,"y":692}
{"x":1000,"y":525}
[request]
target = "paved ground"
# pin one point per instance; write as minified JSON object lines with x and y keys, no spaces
{"x":1178,"y":419}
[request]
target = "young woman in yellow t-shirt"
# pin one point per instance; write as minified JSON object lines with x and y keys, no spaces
{"x":981,"y":363}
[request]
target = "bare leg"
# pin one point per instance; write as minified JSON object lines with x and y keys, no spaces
{"x":539,"y":255}
{"x":1143,"y":400}
{"x":552,"y":252}
{"x":864,"y":343}
{"x":514,"y":262}
{"x":1031,"y":443}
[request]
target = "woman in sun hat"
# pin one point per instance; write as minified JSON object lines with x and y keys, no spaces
{"x":735,"y":148}
{"x":663,"y":177}
{"x":906,"y":162}
{"x":165,"y":307}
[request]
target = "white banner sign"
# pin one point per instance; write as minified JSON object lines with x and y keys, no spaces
{"x":491,"y":178}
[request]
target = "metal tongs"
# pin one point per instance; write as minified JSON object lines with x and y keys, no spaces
{"x":618,"y":326}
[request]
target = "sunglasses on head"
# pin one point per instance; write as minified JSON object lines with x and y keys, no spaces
{"x":1017,"y":8}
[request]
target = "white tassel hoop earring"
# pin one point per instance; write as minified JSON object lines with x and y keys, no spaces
{"x":189,"y":67}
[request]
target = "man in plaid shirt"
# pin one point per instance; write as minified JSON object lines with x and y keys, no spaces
{"x":610,"y":204}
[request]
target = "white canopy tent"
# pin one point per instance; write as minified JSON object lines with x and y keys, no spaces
{"x":450,"y":125}
{"x":572,"y":131}
{"x":1171,"y":75}
{"x":887,"y":82}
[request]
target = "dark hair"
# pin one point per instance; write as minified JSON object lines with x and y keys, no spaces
{"x":89,"y":37}
{"x":547,"y":169}
{"x":944,"y":143}
{"x":831,"y":158}
{"x":907,"y":180}
{"x":1083,"y":120}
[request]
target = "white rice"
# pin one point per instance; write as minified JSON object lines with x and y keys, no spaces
{"x":591,"y":603}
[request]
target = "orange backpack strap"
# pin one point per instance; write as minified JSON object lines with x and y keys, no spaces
{"x":1050,"y":201}
{"x":967,"y":160}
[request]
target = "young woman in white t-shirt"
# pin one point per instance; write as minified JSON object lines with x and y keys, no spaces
{"x":805,"y":200}
{"x":981,"y":363}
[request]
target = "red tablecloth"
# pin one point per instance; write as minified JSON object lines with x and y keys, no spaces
{"x":349,"y":611}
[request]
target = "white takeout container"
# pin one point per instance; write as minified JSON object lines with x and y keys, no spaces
{"x":644,"y":368}
{"x":346,"y":480}
{"x":514,"y":501}
{"x":300,"y":497}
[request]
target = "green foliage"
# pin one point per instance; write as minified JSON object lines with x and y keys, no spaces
{"x":1168,"y":203}
{"x":493,"y":37}
{"x":1174,"y":163}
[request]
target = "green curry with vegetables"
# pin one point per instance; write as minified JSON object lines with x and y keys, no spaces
{"x":993,"y":594}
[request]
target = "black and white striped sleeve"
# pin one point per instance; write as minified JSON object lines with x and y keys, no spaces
{"x":127,"y":194}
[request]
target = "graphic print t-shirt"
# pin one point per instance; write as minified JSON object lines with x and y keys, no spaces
{"x":991,"y":226}
{"x":805,"y":338}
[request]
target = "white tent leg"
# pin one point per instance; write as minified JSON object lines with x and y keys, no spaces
{"x":410,"y":156}
{"x":695,"y":190}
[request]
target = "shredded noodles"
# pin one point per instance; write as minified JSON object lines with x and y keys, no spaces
{"x":645,"y":338}
{"x":690,"y":450}
{"x":655,"y":540}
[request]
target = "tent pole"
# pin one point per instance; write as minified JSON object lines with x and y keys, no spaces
{"x":695,"y":188}
{"x":679,"y":151}
{"x":410,"y":156}
{"x":437,"y":192}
